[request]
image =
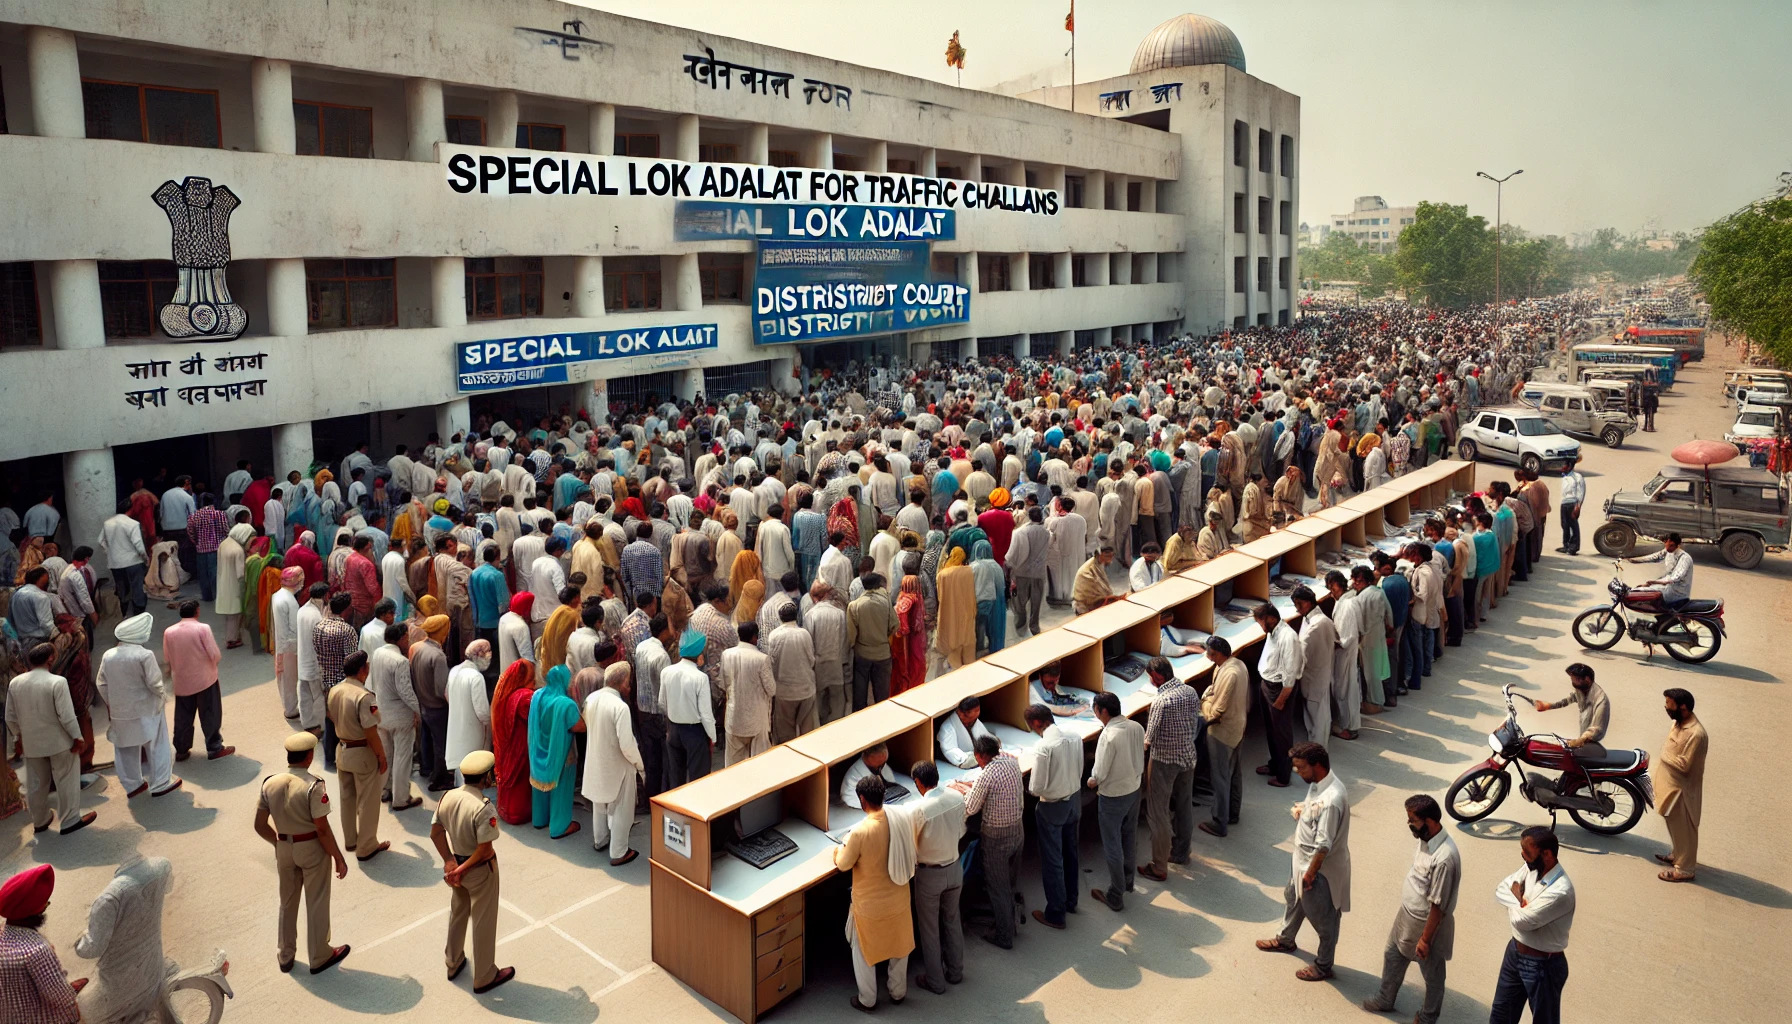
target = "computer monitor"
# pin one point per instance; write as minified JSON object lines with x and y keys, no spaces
{"x":758,"y":815}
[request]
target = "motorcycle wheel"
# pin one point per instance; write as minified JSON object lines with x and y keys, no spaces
{"x":1701,"y":646}
{"x":1598,"y":629}
{"x":1627,"y":808}
{"x":1478,"y":794}
{"x":196,"y":1001}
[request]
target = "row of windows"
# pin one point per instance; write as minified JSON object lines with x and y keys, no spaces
{"x":1239,"y":323}
{"x":364,"y":293}
{"x":994,"y":270}
{"x":1240,"y":283}
{"x":1241,"y":149}
{"x":1240,"y":225}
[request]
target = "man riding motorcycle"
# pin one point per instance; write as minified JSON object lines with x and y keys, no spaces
{"x":1595,"y":712}
{"x":1676,"y":582}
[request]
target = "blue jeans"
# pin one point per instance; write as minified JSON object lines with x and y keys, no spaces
{"x":1057,"y":824}
{"x":1533,"y":980}
{"x":208,"y":576}
{"x":1419,"y":649}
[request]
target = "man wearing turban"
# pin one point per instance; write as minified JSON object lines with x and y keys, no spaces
{"x":44,"y":992}
{"x":130,"y":679}
{"x":284,"y":611}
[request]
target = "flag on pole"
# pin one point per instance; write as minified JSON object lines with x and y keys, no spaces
{"x":1070,"y":19}
{"x":955,"y":52}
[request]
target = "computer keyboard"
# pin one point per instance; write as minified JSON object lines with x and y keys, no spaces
{"x":894,"y":791}
{"x":764,"y":849}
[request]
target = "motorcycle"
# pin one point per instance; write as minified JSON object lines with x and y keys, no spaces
{"x":1604,"y":794}
{"x":196,"y":994}
{"x":1691,"y":633}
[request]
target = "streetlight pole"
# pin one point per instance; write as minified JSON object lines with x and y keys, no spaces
{"x":1498,"y":243}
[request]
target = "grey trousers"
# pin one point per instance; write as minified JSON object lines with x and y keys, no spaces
{"x":1170,"y":809}
{"x":1393,"y":973}
{"x":63,"y":768}
{"x":941,"y":933}
{"x":792,"y":718}
{"x":1119,"y":817}
{"x":831,"y":701}
{"x":401,"y":747}
{"x":1001,"y":863}
{"x":1227,"y":776}
{"x":1029,"y":594}
{"x":1314,"y":905}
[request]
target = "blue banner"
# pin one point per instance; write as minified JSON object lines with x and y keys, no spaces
{"x":816,"y":292}
{"x":704,"y":221}
{"x":542,"y":359}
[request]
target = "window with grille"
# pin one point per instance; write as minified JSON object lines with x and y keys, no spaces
{"x":627,"y":392}
{"x":549,"y":137}
{"x":130,"y":294}
{"x":1263,"y":273}
{"x":718,"y":153}
{"x":1073,"y":191}
{"x":1042,"y":271}
{"x":724,"y":276}
{"x":631,"y":283}
{"x":784,"y":158}
{"x":722,"y":381}
{"x":1238,"y":274}
{"x":992,"y":272}
{"x":635,"y":144}
{"x":503,"y":287}
{"x":350,"y":293}
{"x":1241,"y":143}
{"x":466,"y":131}
{"x":328,"y":129}
{"x":20,"y":322}
{"x":157,"y":114}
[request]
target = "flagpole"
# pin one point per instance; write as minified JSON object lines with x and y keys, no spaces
{"x":1073,"y":56}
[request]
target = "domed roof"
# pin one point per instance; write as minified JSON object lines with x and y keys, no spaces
{"x":1188,"y":40}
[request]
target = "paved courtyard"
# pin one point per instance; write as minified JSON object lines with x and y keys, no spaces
{"x":577,"y":930}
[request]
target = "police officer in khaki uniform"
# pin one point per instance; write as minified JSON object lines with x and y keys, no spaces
{"x":464,"y":829}
{"x":360,"y":758}
{"x":293,"y":814}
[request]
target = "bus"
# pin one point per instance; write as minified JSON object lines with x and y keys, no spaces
{"x":1688,"y":341}
{"x":1665,"y":360}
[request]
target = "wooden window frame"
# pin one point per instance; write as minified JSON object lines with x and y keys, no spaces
{"x":345,"y":279}
{"x":497,"y":277}
{"x":530,"y":125}
{"x":732,"y":148}
{"x":143,"y":107}
{"x":616,"y":286}
{"x":622,"y":150}
{"x":709,"y":278}
{"x":148,"y":283}
{"x":467,"y":117}
{"x":794,"y":157}
{"x":320,"y":105}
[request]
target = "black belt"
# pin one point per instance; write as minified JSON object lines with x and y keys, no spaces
{"x":351,"y":743}
{"x":947,"y":864}
{"x":300,"y":838}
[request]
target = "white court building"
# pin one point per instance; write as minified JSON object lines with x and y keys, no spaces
{"x":271,"y":229}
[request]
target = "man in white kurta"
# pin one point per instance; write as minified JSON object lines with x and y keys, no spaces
{"x":130,"y":679}
{"x":1069,"y":542}
{"x":283,"y":609}
{"x":1347,"y":696}
{"x":469,"y":708}
{"x":124,"y":933}
{"x":612,"y":761}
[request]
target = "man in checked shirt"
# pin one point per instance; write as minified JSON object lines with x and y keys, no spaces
{"x":998,"y":796}
{"x":1170,"y":749}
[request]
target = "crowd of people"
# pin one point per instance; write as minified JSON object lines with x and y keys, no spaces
{"x":593,"y":609}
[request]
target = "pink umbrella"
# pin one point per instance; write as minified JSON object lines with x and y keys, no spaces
{"x":1703,"y":453}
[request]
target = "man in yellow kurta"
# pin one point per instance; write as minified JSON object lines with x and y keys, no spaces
{"x":1179,"y":553}
{"x":1091,"y":588}
{"x":880,"y":925}
{"x":1679,"y":776}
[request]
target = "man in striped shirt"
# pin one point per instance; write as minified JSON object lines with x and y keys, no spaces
{"x":1170,"y":747}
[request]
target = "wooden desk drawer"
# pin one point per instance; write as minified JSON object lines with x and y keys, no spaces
{"x":780,"y":986}
{"x":790,"y":909}
{"x":780,"y":958}
{"x":777,"y":937}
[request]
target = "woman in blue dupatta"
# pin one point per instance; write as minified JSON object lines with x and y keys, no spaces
{"x":553,"y":762}
{"x":992,"y":595}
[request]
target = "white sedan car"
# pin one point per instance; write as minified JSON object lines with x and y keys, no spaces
{"x":1519,"y":436}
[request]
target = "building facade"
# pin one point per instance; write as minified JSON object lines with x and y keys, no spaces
{"x":308,"y":225}
{"x":1372,"y":222}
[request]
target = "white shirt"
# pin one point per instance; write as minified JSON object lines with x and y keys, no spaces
{"x":849,"y":783}
{"x":121,"y":541}
{"x":1574,"y":490}
{"x":1676,"y":578}
{"x":1436,"y":872}
{"x":514,"y":641}
{"x":1057,"y":765}
{"x":1283,"y":660}
{"x":684,"y":697}
{"x":1544,"y":921}
{"x":373,"y":636}
{"x":545,"y":579}
{"x":1144,"y":573}
{"x":310,"y":614}
{"x":1119,"y":757}
{"x":941,"y":816}
{"x":956,"y":741}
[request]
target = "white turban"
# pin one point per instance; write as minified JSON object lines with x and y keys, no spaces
{"x":136,"y":629}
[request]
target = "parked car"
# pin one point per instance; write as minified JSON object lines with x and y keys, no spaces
{"x":1743,"y":378}
{"x":1760,"y":388}
{"x":1581,"y":411}
{"x":1520,"y":436}
{"x":1742,"y":511}
{"x":1754,"y":421}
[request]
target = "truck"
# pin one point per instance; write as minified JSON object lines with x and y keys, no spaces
{"x":1742,"y":511}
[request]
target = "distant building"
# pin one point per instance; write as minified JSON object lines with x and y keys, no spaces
{"x":1373,"y":222}
{"x":1314,"y":235}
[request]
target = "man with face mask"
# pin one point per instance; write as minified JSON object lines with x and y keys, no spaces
{"x":1679,"y":776}
{"x":1424,"y":929}
{"x":1539,"y":902}
{"x":1595,"y":712}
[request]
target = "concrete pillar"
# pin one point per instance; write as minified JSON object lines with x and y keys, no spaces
{"x":930,"y":163}
{"x":270,"y":96}
{"x":292,"y":449}
{"x":689,"y":383}
{"x":1094,"y":187}
{"x":1096,"y":266}
{"x":75,"y":304}
{"x":1066,"y":343}
{"x":821,"y":150}
{"x":973,"y":167}
{"x":1020,"y":272}
{"x":878,"y":162}
{"x":90,"y":486}
{"x":684,"y":144}
{"x":500,"y":124}
{"x":967,"y":270}
{"x":588,"y":286}
{"x":1148,"y":195}
{"x":1120,"y":268}
{"x":289,"y":307}
{"x":427,"y":124}
{"x":453,"y":417}
{"x":1061,"y":272}
{"x":1150,"y":275}
{"x":1023,"y":346}
{"x":448,"y":291}
{"x":687,"y":283}
{"x":759,"y":144}
{"x":1053,"y":178}
{"x":55,"y":69}
{"x":602,"y":118}
{"x":1118,"y":183}
{"x":782,"y":380}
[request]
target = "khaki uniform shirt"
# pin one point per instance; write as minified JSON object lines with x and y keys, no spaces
{"x":353,"y":710}
{"x":468,"y":819}
{"x":294,"y":800}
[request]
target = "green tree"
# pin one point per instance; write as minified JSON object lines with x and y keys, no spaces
{"x":1342,"y":259}
{"x":1445,"y":256}
{"x":1744,"y":267}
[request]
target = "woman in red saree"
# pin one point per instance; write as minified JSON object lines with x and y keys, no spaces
{"x":844,"y":518}
{"x":510,"y":740}
{"x":908,"y":648}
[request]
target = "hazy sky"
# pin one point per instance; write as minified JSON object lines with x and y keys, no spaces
{"x":1626,"y":113}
